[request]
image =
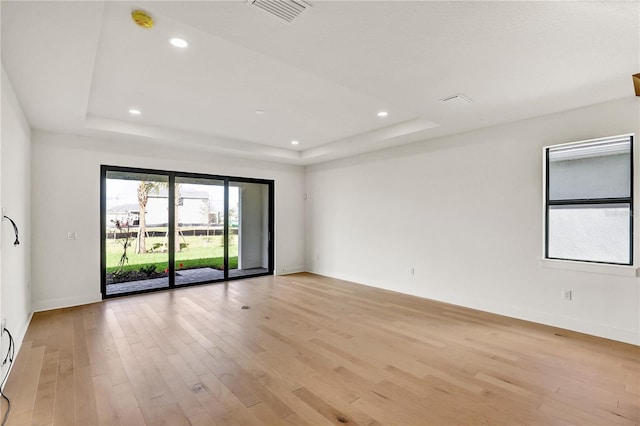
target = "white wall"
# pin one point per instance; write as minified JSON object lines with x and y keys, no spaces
{"x":67,"y":199}
{"x":466,"y":212}
{"x":15,"y":184}
{"x":2,"y":108}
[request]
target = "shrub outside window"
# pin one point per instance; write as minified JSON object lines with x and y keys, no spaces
{"x":589,"y":201}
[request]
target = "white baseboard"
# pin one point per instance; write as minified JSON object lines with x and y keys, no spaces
{"x":290,"y":270}
{"x":550,"y":319}
{"x":65,"y":302}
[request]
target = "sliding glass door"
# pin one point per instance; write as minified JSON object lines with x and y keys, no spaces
{"x":199,"y":231}
{"x":135,"y":227}
{"x":163,"y":229}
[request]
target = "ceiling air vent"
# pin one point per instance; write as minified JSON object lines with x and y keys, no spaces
{"x":286,"y":10}
{"x":458,"y":99}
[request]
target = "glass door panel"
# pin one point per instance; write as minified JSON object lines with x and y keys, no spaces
{"x":249,"y":236}
{"x":136,"y":228}
{"x":199,"y":230}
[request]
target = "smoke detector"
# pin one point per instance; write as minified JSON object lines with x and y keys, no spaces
{"x":142,"y":18}
{"x":285,"y":10}
{"x":456,"y":100}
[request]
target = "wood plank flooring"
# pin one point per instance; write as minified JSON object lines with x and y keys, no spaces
{"x":312,"y":351}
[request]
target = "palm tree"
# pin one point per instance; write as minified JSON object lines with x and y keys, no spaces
{"x":178,"y":203}
{"x":144,"y":189}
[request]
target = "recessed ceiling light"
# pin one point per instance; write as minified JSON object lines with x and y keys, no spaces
{"x":134,"y":111}
{"x":294,"y":142}
{"x":259,"y":111}
{"x":178,"y":42}
{"x":383,"y":114}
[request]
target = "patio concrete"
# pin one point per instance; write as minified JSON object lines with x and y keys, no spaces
{"x":186,"y":276}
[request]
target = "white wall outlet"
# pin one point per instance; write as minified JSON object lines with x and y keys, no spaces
{"x":566,"y":295}
{"x":72,"y":235}
{"x":4,"y":324}
{"x":4,"y":212}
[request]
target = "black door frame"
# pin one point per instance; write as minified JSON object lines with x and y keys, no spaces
{"x":171,"y":175}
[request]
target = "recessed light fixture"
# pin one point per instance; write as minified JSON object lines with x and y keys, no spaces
{"x":259,"y":111}
{"x":134,"y":111}
{"x":383,"y":114}
{"x":295,"y":142}
{"x":178,"y":42}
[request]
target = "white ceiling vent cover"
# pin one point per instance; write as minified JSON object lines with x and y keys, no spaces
{"x":456,"y":100}
{"x":286,"y":10}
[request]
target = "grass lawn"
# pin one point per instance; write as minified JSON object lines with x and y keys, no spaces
{"x":201,"y":251}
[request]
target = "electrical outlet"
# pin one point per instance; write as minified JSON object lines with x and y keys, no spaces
{"x":72,"y":235}
{"x":566,"y":295}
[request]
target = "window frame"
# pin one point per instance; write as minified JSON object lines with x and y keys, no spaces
{"x":595,"y":201}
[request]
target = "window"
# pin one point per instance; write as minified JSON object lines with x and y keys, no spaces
{"x":589,"y":201}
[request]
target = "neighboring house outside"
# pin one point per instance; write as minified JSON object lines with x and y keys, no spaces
{"x":194,"y":209}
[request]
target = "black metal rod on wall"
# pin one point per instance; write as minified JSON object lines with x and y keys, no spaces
{"x":15,"y":230}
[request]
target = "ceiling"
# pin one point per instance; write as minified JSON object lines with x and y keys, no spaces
{"x":79,"y":67}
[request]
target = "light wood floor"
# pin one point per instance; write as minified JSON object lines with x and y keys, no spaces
{"x":312,"y":350}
